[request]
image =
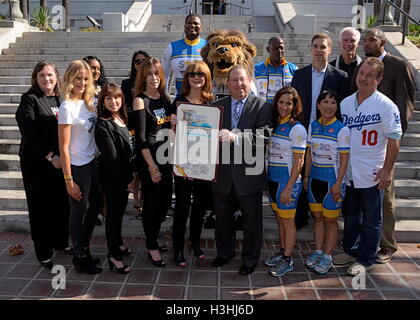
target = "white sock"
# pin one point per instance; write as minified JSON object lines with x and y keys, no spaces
{"x":328,"y":256}
{"x":319,"y":251}
{"x":46,"y":261}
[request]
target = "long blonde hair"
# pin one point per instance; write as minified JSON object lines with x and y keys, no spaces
{"x":67,"y":83}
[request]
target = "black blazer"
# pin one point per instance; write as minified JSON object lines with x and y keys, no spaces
{"x":115,"y":154}
{"x":334,"y":79}
{"x":255,"y":115}
{"x":38,"y":125}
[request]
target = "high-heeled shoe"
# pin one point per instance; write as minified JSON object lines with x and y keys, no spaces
{"x":84,"y":265}
{"x":197,"y":251}
{"x":126,"y":252}
{"x":179,"y":258}
{"x":156,"y":263}
{"x":48,"y":264}
{"x":163,"y":249}
{"x":122,"y":270}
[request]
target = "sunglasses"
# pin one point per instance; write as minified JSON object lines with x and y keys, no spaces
{"x":196,"y":74}
{"x":138,"y":61}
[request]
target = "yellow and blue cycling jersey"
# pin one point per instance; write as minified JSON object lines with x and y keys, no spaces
{"x":178,"y":55}
{"x":270,"y":79}
{"x":286,"y":139}
{"x":327,"y":141}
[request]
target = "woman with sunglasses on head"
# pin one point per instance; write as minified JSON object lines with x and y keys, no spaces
{"x":114,"y":143}
{"x":76,"y":126}
{"x":127,"y":87}
{"x":151,"y":110}
{"x":98,"y":73}
{"x":196,"y":89}
{"x":326,"y":166}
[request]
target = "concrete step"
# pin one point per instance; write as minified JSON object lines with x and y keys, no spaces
{"x":407,"y":188}
{"x":416,"y":115}
{"x":11,"y":180}
{"x":409,"y":154}
{"x":413,"y":127}
{"x":14,"y":89}
{"x":411,"y":140}
{"x":9,"y":162}
{"x":408,"y":208}
{"x":407,"y":170}
{"x":9,"y":132}
{"x":13,"y":199}
{"x":7,"y":119}
{"x":8,"y":108}
{"x":18,"y":221}
{"x":9,"y":146}
{"x":9,"y":98}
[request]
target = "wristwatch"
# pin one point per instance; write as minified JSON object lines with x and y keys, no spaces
{"x":49,"y":157}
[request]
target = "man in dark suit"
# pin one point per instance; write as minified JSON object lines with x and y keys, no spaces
{"x":398,"y":85}
{"x":241,"y":173}
{"x":310,"y":81}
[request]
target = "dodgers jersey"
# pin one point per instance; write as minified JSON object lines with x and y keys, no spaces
{"x":270,"y":79}
{"x":285,"y":140}
{"x":327,"y":142}
{"x":369,"y":123}
{"x":178,"y":55}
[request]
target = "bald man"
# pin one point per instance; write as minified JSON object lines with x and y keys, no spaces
{"x":275,"y":72}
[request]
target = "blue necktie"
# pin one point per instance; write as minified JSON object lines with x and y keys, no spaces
{"x":236,"y":114}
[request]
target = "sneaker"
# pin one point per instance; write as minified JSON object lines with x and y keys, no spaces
{"x":342,"y":259}
{"x":383,"y":256}
{"x":313,"y":259}
{"x":274,"y":260}
{"x":282,"y":268}
{"x":357,"y":268}
{"x":324,"y":264}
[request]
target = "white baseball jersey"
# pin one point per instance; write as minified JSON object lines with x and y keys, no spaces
{"x":369,"y":123}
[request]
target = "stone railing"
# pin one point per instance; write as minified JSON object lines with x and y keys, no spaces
{"x":134,"y":20}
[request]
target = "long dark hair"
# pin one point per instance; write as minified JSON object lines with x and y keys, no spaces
{"x":38,"y":68}
{"x":102,"y":78}
{"x":133,"y":71}
{"x":331,"y":94}
{"x":296,"y":114}
{"x":113,"y":90}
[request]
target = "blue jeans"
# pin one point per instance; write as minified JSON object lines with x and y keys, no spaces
{"x":362,"y":212}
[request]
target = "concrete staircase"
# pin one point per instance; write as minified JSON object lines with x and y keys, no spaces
{"x":115,"y":50}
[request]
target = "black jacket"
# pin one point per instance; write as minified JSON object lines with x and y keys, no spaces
{"x":38,"y":125}
{"x":115,"y":154}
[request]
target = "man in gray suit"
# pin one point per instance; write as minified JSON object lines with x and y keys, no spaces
{"x":241,"y":173}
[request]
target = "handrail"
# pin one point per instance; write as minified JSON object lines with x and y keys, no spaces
{"x":405,"y":14}
{"x":141,"y":18}
{"x":236,"y":5}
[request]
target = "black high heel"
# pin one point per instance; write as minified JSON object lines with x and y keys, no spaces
{"x":179,"y":258}
{"x":163,"y":249}
{"x":159,"y":263}
{"x":126,"y":252}
{"x":123,"y":270}
{"x":90,"y":258}
{"x":197,"y":251}
{"x":84,"y":265}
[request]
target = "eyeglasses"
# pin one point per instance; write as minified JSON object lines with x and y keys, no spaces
{"x":196,"y":74}
{"x":138,"y":61}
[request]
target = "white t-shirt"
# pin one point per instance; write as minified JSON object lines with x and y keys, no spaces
{"x":82,"y":141}
{"x":375,"y":118}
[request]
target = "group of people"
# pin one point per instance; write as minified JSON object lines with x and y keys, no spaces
{"x":332,"y":134}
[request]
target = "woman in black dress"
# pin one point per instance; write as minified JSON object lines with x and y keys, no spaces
{"x":196,"y":89}
{"x":40,"y":164}
{"x":114,"y":143}
{"x":151,"y":110}
{"x":127,"y":87}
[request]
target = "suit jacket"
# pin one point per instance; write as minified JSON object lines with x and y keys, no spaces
{"x":115,"y":154}
{"x":256,"y":114}
{"x":334,"y":79}
{"x":38,"y":126}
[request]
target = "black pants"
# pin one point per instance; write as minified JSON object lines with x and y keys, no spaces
{"x":157,"y":199}
{"x":302,"y":209}
{"x":116,"y":198}
{"x":225,"y":233}
{"x":83,"y":213}
{"x":48,"y":207}
{"x":184,"y":188}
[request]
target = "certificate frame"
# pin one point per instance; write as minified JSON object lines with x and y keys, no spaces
{"x":197,"y":128}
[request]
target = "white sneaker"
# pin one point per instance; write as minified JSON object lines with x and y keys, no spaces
{"x":357,"y":268}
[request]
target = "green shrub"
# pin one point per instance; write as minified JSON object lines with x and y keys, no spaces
{"x":414,"y":30}
{"x":42,"y":19}
{"x":90,"y":29}
{"x":371,"y":21}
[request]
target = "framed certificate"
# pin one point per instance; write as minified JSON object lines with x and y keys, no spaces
{"x":196,"y":147}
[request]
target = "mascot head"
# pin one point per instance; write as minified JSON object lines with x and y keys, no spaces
{"x":224,"y":50}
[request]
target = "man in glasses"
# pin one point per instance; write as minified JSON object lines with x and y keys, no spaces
{"x":180,"y":53}
{"x":275,"y":72}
